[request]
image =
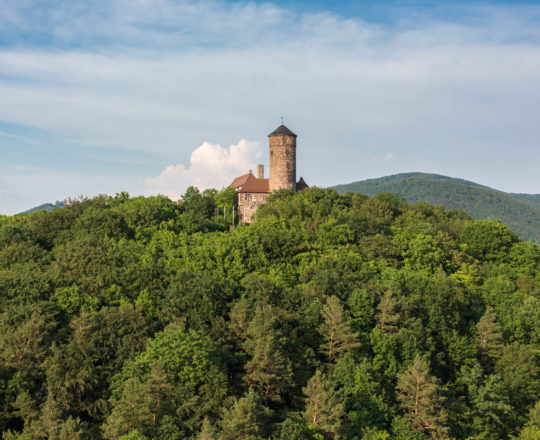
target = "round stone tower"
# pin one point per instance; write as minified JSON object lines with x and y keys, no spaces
{"x":282,"y":159}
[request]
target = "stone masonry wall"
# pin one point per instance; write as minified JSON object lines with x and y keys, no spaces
{"x":248,"y":204}
{"x":282,"y":162}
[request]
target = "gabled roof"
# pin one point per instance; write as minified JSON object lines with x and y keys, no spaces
{"x":248,"y":183}
{"x":239,"y":181}
{"x":301,"y":184}
{"x":282,"y":131}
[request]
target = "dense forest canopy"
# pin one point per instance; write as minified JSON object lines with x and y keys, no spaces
{"x":520,"y":211}
{"x":331,"y":317}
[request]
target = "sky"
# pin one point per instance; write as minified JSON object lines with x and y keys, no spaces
{"x":152,"y":96}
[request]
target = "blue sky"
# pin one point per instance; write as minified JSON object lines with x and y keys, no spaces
{"x":150,"y":96}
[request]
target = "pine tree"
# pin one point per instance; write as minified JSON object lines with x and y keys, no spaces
{"x":490,"y":340}
{"x":247,"y":419}
{"x":141,"y":405}
{"x":418,"y":395}
{"x":208,"y":431}
{"x":531,"y":430}
{"x":324,"y":409}
{"x":269,"y":369}
{"x":388,"y":313}
{"x":336,"y":331}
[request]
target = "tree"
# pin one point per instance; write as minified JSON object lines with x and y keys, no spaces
{"x":488,"y":239}
{"x":179,"y":375}
{"x":489,"y":408}
{"x":490,"y":340}
{"x":419,"y":397}
{"x":292,"y":429}
{"x":531,"y":430}
{"x":324,"y":409}
{"x":336,"y":331}
{"x":246,"y":419}
{"x":388,"y":313}
{"x":208,"y":431}
{"x":519,"y":371}
{"x":269,"y":369}
{"x":26,"y":335}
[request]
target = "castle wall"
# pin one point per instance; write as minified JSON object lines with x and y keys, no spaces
{"x":248,"y":204}
{"x":282,"y":162}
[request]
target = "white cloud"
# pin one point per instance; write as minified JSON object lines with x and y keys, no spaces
{"x":211,"y":166}
{"x":389,"y":156}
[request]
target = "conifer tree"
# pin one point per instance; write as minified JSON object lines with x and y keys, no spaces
{"x":208,"y":431}
{"x":388,"y":313}
{"x":269,"y":369}
{"x":336,"y":331}
{"x":246,"y":419}
{"x":419,"y":397}
{"x":141,"y":405}
{"x":490,"y":340}
{"x":531,"y":430}
{"x":324,"y":409}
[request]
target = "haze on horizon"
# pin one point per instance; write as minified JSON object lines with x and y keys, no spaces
{"x":103,"y":96}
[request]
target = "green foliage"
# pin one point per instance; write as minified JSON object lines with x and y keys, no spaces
{"x":335,"y":330}
{"x":323,"y":408}
{"x":531,"y":430}
{"x":246,"y":419}
{"x":142,"y":318}
{"x":419,"y":398}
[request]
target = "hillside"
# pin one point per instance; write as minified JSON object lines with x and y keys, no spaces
{"x":331,"y":317}
{"x":521,"y":212}
{"x":44,"y":207}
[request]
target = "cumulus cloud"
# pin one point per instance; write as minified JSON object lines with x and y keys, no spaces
{"x":210,"y":166}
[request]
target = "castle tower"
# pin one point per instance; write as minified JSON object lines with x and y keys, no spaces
{"x":282,"y":158}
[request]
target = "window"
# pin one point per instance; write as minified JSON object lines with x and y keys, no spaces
{"x":248,"y":196}
{"x":252,"y":207}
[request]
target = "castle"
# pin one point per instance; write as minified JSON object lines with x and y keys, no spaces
{"x":253,"y":190}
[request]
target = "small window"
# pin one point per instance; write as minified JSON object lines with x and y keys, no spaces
{"x":248,"y":196}
{"x":252,"y":207}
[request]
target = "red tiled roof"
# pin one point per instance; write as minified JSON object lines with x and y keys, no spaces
{"x":239,"y":181}
{"x":248,"y":183}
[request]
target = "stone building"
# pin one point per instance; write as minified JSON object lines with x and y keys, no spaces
{"x":253,"y":190}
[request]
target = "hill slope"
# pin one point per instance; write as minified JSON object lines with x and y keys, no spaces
{"x":520,"y":211}
{"x":44,"y":207}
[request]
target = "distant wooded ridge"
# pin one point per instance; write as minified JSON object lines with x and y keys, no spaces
{"x":521,"y":212}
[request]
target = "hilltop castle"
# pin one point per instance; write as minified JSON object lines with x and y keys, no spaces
{"x":252,"y":191}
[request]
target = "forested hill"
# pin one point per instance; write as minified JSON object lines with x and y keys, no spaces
{"x":519,"y":211}
{"x":331,"y":317}
{"x":45,"y":207}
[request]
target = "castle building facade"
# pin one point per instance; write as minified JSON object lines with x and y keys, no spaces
{"x":253,"y":190}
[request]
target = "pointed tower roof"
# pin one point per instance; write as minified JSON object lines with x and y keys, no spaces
{"x":282,"y":131}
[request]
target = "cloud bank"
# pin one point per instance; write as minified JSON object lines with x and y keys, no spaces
{"x":447,"y":93}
